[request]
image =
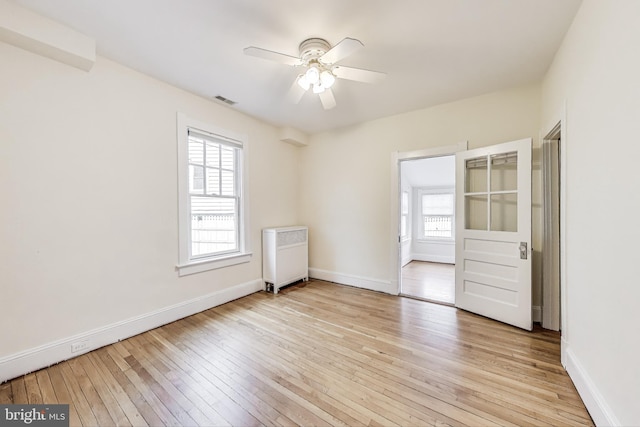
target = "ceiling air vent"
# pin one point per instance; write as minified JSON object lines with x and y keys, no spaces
{"x":225,"y":100}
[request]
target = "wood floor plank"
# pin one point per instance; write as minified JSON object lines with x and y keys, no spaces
{"x":353,"y":397}
{"x":6,"y":396}
{"x":19,"y":391}
{"x":34,"y":395}
{"x":490,"y":359}
{"x":366,"y":388}
{"x":267,"y":368}
{"x":262,"y":412}
{"x":106,"y":357}
{"x":98,"y":406}
{"x":103,"y":392}
{"x":429,"y":280}
{"x":401,"y":415}
{"x":62,"y":393}
{"x":83,"y":408}
{"x":145,"y":385}
{"x":181,"y":407}
{"x":233,"y":411}
{"x":120,"y":397}
{"x":257,"y":378}
{"x":317,"y":354}
{"x":185,"y":379}
{"x":253,"y":408}
{"x":46,"y":388}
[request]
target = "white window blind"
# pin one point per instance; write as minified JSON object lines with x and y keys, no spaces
{"x":437,"y":204}
{"x":437,"y":214}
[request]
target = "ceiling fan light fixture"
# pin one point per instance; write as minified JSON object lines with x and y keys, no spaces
{"x":303,"y":82}
{"x":318,"y":87}
{"x":313,"y":74}
{"x":318,"y":60}
{"x":327,"y":78}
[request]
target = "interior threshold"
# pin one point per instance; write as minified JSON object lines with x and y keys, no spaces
{"x":433,"y":301}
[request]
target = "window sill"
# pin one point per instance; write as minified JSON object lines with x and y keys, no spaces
{"x":212,"y":264}
{"x":443,"y":241}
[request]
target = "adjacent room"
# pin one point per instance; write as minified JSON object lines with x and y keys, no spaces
{"x":427,"y":229}
{"x":338,"y":213}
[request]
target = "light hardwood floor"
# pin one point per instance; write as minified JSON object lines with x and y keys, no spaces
{"x":317,"y":354}
{"x":431,"y":281}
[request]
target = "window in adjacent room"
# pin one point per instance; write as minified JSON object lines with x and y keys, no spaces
{"x":211,"y":197}
{"x":437,"y":214}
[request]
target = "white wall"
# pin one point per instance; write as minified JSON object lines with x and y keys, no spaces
{"x":88,"y":185}
{"x":596,"y":74}
{"x":347,"y":205}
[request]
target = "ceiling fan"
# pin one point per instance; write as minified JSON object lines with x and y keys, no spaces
{"x":319,"y":59}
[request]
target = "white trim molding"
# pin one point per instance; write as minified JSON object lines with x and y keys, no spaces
{"x":351,"y":280}
{"x":211,"y":264}
{"x":30,"y":360}
{"x":598,"y":408}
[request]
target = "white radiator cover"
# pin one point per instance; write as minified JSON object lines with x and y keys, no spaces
{"x":285,"y":256}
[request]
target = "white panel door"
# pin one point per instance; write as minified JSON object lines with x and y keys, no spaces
{"x":493,"y":232}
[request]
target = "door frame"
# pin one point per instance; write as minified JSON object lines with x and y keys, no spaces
{"x":554,"y":129}
{"x":550,"y":276}
{"x":396,"y":201}
{"x":558,"y":121}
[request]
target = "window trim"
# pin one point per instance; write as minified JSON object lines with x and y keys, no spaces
{"x":187,"y":265}
{"x":436,"y":190}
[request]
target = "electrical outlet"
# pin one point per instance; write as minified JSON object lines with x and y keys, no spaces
{"x":79,"y":346}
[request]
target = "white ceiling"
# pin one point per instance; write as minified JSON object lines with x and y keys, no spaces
{"x":433,"y":51}
{"x":431,"y":172}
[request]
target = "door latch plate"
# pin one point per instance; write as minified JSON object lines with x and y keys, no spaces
{"x":523,"y":250}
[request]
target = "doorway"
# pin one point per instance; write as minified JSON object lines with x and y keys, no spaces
{"x":428,"y":229}
{"x":551,"y":229}
{"x":498,"y":201}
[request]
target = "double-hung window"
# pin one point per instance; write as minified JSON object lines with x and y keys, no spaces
{"x":211,"y":197}
{"x":214,"y":199}
{"x":437,"y":214}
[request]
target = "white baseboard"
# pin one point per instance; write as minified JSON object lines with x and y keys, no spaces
{"x":593,"y":400}
{"x":351,"y":280}
{"x":30,"y":360}
{"x":443,"y":259}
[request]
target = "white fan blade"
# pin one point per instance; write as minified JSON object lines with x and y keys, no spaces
{"x":340,"y":51}
{"x":358,"y":74}
{"x":295,"y":92}
{"x":327,"y":99}
{"x":272,"y":56}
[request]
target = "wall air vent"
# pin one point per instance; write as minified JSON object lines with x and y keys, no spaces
{"x":225,"y":100}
